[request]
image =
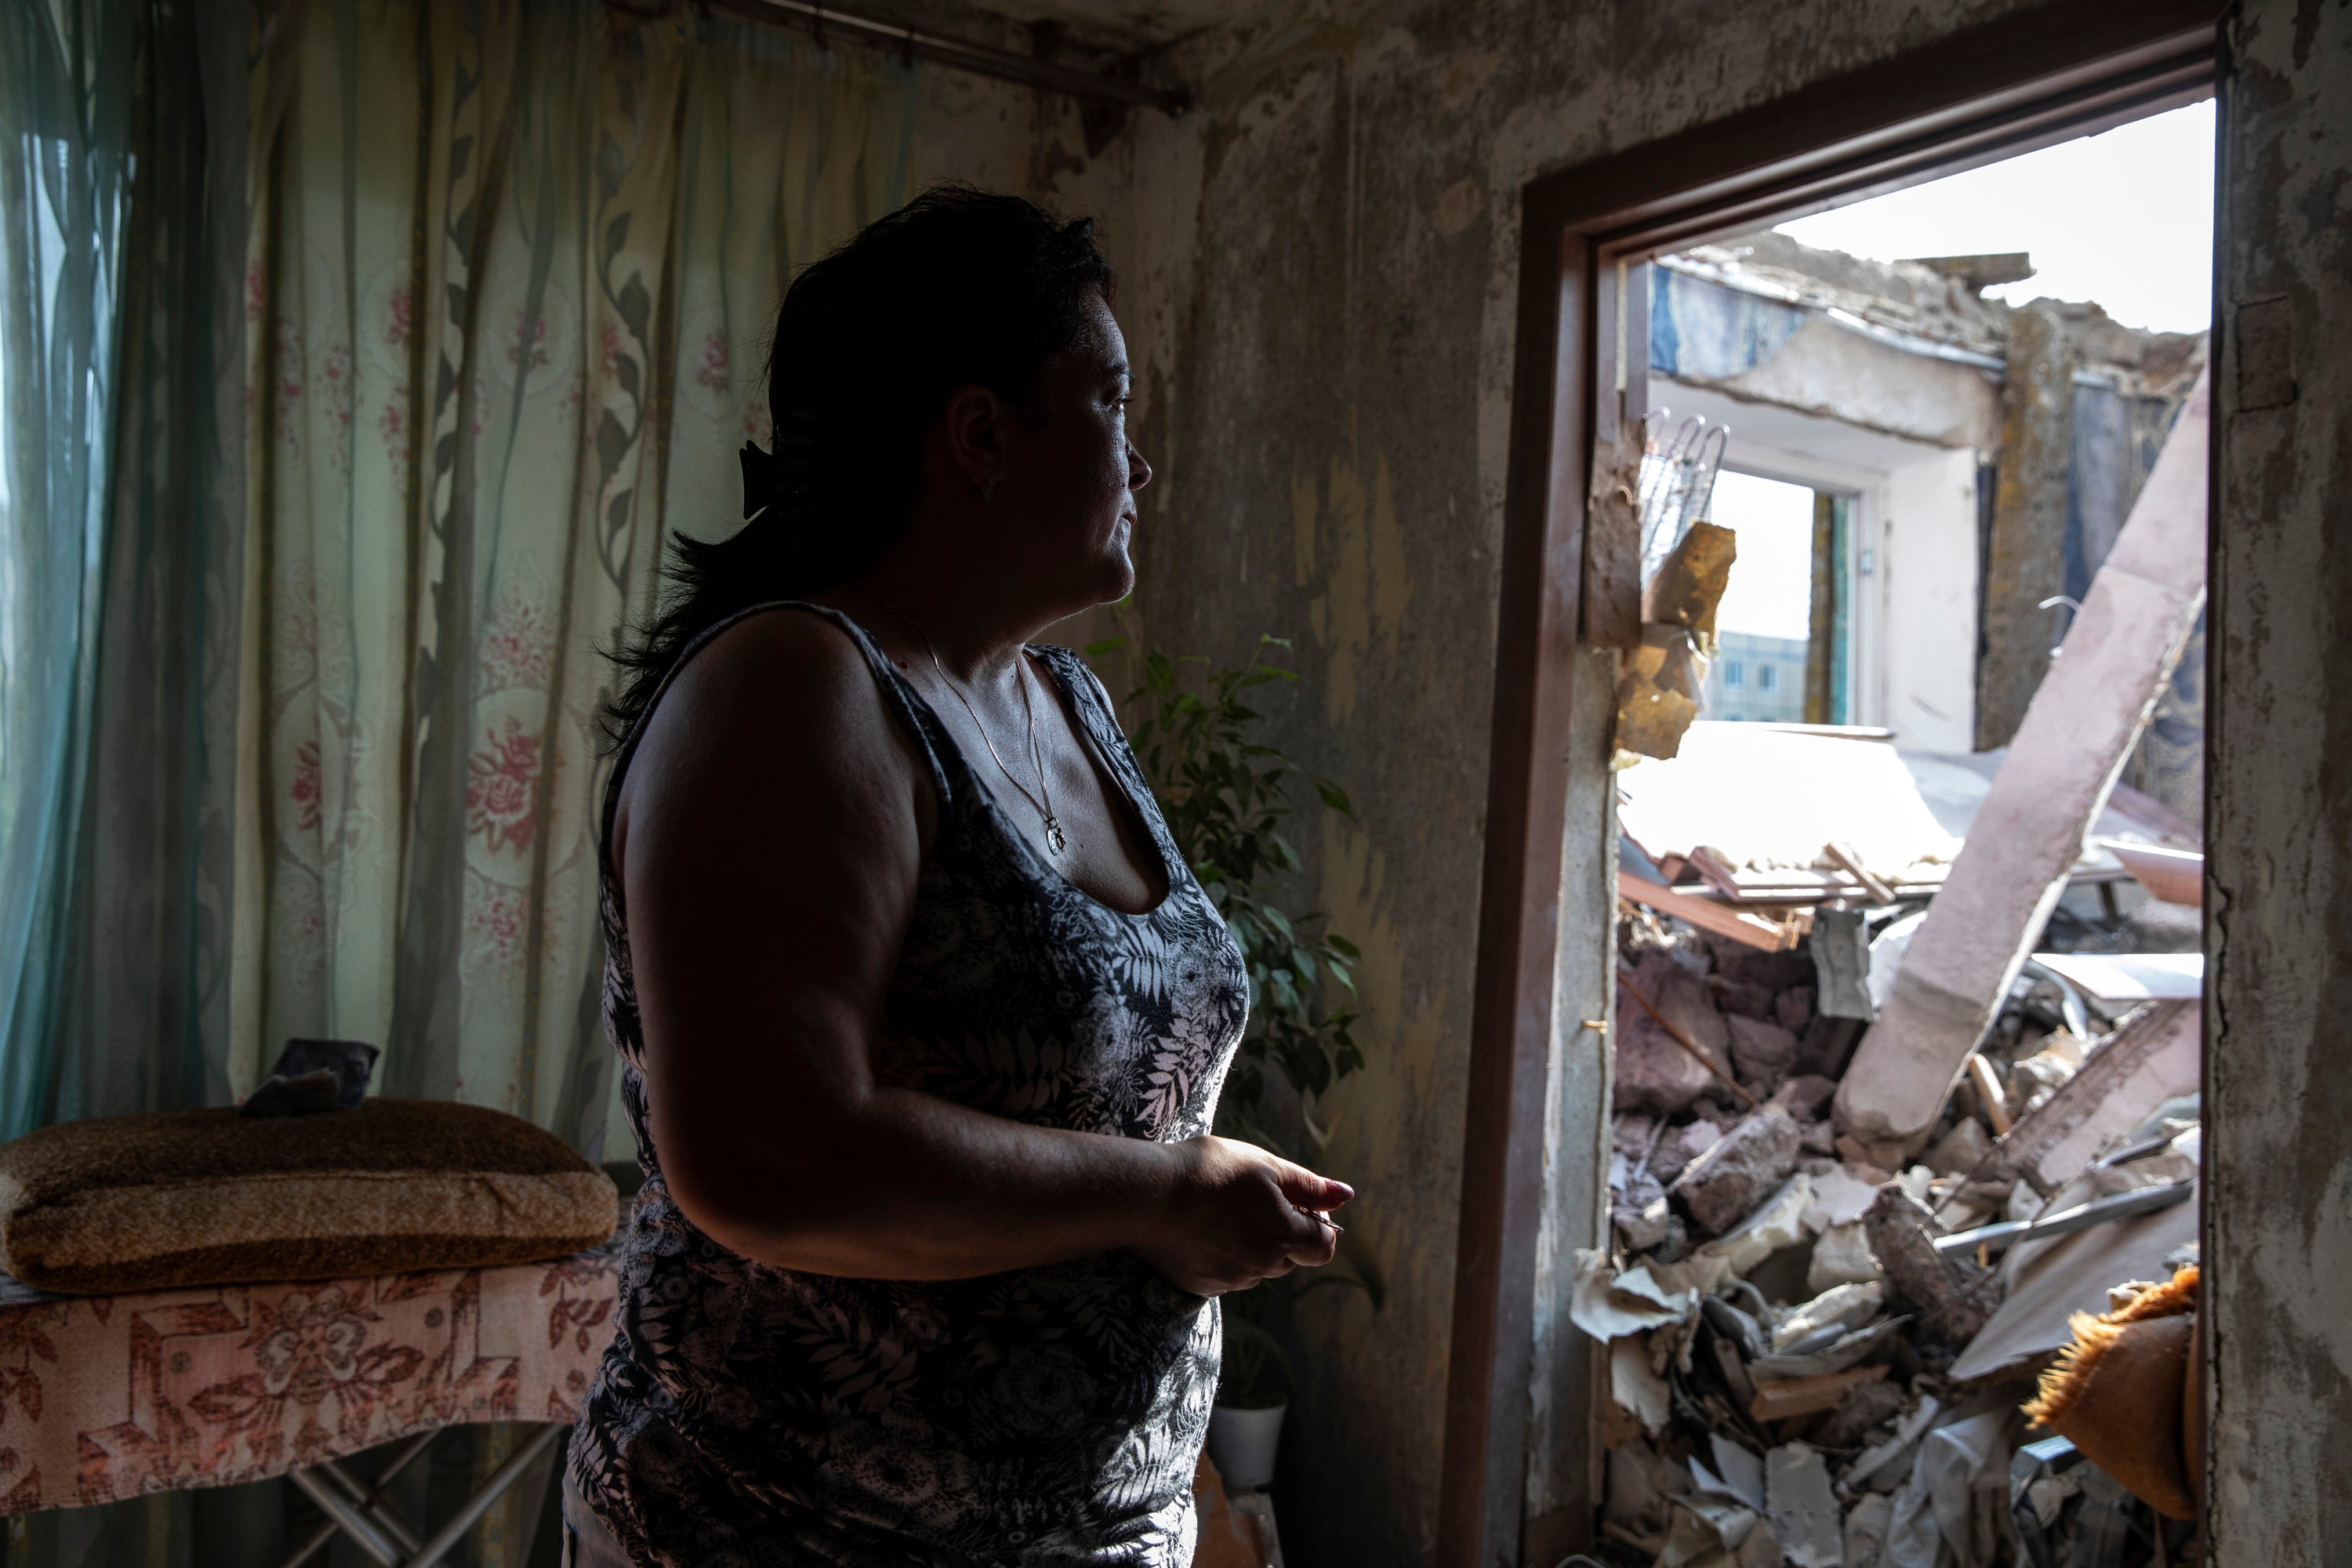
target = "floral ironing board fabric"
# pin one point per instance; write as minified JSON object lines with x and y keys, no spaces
{"x":105,"y":1397}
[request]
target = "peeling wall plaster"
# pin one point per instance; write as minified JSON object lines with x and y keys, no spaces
{"x":1329,"y":422}
{"x":1319,"y":282}
{"x":2279,"y":766}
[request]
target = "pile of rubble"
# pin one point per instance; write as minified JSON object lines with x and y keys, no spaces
{"x":1788,"y":1345}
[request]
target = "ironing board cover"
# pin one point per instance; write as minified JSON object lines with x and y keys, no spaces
{"x":105,"y":1397}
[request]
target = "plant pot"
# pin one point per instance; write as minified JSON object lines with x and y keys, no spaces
{"x":1242,"y":1442}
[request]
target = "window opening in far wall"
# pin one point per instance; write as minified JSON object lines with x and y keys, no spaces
{"x":1778,"y":616}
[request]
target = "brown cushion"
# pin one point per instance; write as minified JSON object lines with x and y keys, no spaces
{"x":209,"y":1197}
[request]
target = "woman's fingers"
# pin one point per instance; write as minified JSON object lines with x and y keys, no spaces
{"x":1310,"y":1191}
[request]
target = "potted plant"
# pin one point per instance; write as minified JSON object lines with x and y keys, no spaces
{"x":1225,"y":796}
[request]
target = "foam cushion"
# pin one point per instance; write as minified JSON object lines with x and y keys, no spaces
{"x":209,"y":1197}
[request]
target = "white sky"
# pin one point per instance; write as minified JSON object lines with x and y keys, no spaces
{"x":2124,"y":218}
{"x":1771,"y":588}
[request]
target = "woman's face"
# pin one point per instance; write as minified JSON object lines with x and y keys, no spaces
{"x":1070,"y":481}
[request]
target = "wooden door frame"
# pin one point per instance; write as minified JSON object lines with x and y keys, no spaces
{"x":2062,"y":70}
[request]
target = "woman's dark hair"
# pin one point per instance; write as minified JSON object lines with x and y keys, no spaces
{"x":958,"y":288}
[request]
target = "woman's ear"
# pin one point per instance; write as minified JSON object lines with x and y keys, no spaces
{"x":975,"y":423}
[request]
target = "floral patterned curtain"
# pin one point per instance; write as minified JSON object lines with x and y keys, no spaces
{"x":434,"y":317}
{"x":512,"y":268}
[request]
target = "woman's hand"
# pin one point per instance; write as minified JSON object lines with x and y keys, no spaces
{"x":1235,"y":1217}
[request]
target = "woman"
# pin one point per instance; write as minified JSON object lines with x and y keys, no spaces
{"x":922,"y":1017}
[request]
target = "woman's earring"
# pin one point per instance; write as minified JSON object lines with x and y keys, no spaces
{"x":987,"y":494}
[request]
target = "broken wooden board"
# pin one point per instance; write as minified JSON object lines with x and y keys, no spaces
{"x":2076,"y":735}
{"x":1808,"y":1396}
{"x":1772,"y":930}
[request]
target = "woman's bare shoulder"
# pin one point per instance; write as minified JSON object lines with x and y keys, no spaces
{"x":781,"y":704}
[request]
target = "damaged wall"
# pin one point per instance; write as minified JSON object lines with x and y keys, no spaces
{"x":1319,"y":291}
{"x":1327,"y":411}
{"x":2279,"y":771}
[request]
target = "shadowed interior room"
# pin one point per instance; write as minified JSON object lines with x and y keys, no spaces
{"x":1415,"y":1024}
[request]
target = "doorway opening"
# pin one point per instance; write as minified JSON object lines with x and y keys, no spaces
{"x":1597,"y":241}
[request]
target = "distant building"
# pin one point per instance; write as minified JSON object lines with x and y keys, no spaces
{"x":1757,"y":678}
{"x":1887,"y":388}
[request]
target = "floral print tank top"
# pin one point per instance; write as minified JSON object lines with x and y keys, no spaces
{"x":749,"y":1414}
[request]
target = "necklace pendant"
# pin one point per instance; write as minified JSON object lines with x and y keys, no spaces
{"x":1053,"y":835}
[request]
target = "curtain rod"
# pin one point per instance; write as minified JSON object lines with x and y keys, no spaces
{"x":809,"y":16}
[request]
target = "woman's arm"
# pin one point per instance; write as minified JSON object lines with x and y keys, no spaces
{"x":771,"y":827}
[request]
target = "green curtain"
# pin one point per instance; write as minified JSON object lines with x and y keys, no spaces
{"x":66,"y":128}
{"x":337,"y":440}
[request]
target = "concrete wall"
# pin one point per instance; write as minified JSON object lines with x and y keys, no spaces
{"x":1326,"y":343}
{"x":1926,"y":593}
{"x":1319,"y":296}
{"x":2279,"y":772}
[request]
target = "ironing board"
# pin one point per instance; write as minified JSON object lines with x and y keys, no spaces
{"x":107,"y":1397}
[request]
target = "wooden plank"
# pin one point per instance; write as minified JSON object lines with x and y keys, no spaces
{"x":1708,"y":915}
{"x":1808,"y":1396}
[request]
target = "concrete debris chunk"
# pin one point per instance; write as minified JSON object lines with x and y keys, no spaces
{"x":1730,"y":1179}
{"x":1865,"y":1407}
{"x":1841,"y":1306}
{"x":1761,"y":1052}
{"x":1954,"y":1297}
{"x":1961,"y":1150}
{"x":1840,"y":1196}
{"x":1735,"y":996}
{"x":1779,"y":1222}
{"x":1842,"y":1257}
{"x":1801,"y":1509}
{"x":1805,"y":1097}
{"x":1648,"y":1227}
{"x":1654,"y":1073}
{"x":1678,"y":1148}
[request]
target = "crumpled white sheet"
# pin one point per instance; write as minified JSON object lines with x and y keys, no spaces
{"x":1636,"y":1387}
{"x":1942,"y":1506}
{"x":1609,"y":1305}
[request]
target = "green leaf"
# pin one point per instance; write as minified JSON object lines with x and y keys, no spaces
{"x":1343,"y":947}
{"x":1103,"y":647}
{"x":1333,"y":797}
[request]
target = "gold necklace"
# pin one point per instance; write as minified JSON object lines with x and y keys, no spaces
{"x":1054,"y":838}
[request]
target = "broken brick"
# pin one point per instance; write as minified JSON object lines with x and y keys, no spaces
{"x":1724,"y":1184}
